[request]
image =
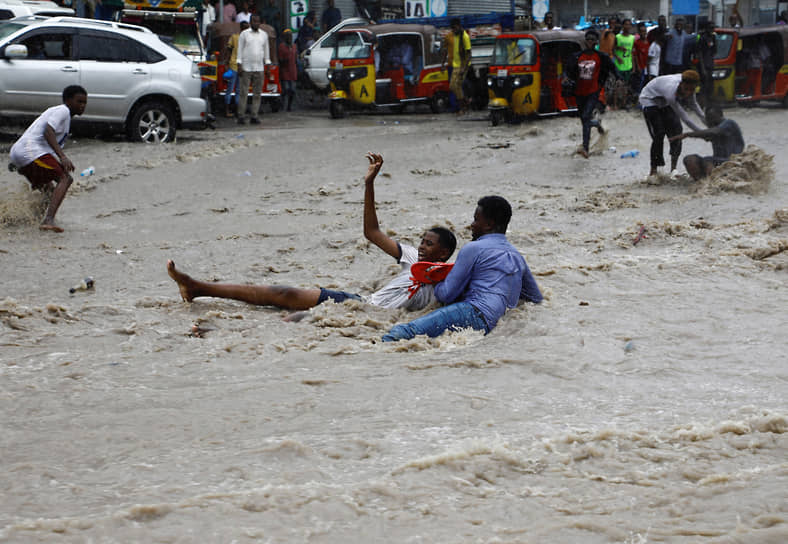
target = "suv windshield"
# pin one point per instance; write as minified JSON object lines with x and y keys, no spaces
{"x":514,"y":51}
{"x":6,"y":29}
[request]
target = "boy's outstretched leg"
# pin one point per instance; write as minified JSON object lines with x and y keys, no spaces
{"x":288,"y":298}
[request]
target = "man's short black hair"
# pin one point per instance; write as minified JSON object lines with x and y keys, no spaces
{"x":498,"y":210}
{"x":73,"y":90}
{"x":593,"y":33}
{"x":455,"y":22}
{"x":446,"y":239}
{"x":715,"y":109}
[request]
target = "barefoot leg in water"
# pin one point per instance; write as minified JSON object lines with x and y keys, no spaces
{"x":289,"y":298}
{"x":58,"y":194}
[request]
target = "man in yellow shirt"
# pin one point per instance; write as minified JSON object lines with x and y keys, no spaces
{"x":231,"y":53}
{"x":457,"y":50}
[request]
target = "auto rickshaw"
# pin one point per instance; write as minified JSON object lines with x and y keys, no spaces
{"x":751,"y":64}
{"x":525,"y":74}
{"x":213,"y":70}
{"x":390,"y":65}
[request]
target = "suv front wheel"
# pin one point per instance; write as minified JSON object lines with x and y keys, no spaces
{"x":152,"y":123}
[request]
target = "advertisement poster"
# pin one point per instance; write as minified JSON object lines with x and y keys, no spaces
{"x":417,"y":8}
{"x":298,"y":9}
{"x":425,"y":8}
{"x":539,"y":8}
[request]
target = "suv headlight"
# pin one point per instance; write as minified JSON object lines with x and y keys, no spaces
{"x":195,"y":70}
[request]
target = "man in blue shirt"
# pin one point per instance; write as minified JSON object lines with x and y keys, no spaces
{"x":488,"y":277}
{"x":673,"y":54}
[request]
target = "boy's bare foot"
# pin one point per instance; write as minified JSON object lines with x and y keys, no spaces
{"x":183,"y":280}
{"x":50,"y":227}
{"x":583,"y":153}
{"x":295,"y":317}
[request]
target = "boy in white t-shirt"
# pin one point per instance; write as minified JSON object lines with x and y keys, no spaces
{"x":437,"y":245}
{"x":34,"y":154}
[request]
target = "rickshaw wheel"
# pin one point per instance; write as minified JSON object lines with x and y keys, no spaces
{"x":276,"y":105}
{"x":496,"y":117}
{"x":439,"y":103}
{"x":337,"y":109}
{"x":785,"y":101}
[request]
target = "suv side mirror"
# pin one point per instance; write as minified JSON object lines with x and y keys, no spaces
{"x":15,"y":51}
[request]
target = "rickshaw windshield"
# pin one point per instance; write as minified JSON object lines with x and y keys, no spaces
{"x":515,"y":51}
{"x":724,"y":43}
{"x":351,"y":46}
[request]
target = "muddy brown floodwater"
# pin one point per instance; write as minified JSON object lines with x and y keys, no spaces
{"x":644,"y":400}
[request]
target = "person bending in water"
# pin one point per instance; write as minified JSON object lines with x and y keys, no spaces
{"x":489,"y":276}
{"x":39,"y":156}
{"x":437,"y":245}
{"x":663,"y":113}
{"x":725,"y":137}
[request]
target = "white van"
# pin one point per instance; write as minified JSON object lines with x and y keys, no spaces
{"x":318,"y":57}
{"x":18,"y":8}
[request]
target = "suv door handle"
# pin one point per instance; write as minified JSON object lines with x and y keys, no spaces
{"x":139,"y":72}
{"x":68,"y":69}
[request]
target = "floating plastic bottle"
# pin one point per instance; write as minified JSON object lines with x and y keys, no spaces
{"x":84,"y":285}
{"x":89,"y":171}
{"x":631,"y":154}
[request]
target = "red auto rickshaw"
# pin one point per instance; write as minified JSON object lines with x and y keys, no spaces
{"x":751,"y":64}
{"x":526,"y":71}
{"x":214,"y":70}
{"x":387,"y":66}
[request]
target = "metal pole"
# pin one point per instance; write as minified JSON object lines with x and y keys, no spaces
{"x":585,"y":10}
{"x":221,"y":11}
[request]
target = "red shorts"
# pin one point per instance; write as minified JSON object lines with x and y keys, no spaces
{"x":41,"y":171}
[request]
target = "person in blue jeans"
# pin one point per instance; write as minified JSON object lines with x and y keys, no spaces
{"x":488,"y":277}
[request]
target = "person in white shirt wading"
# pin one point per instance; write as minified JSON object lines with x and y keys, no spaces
{"x":253,"y":55}
{"x":39,"y":156}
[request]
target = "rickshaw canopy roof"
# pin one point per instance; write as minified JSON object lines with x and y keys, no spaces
{"x":545,"y":36}
{"x":428,"y":33}
{"x":759,"y":30}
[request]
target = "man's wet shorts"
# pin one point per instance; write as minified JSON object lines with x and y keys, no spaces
{"x":41,"y":171}
{"x":336,"y":296}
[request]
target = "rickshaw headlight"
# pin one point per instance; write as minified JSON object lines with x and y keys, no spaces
{"x":516,"y":82}
{"x":722,"y":73}
{"x":330,"y":74}
{"x":489,"y":82}
{"x":357,"y":73}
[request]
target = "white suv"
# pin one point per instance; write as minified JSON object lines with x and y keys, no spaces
{"x":21,"y":8}
{"x":135,"y":82}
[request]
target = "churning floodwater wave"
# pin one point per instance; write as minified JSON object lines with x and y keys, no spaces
{"x":643,"y":401}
